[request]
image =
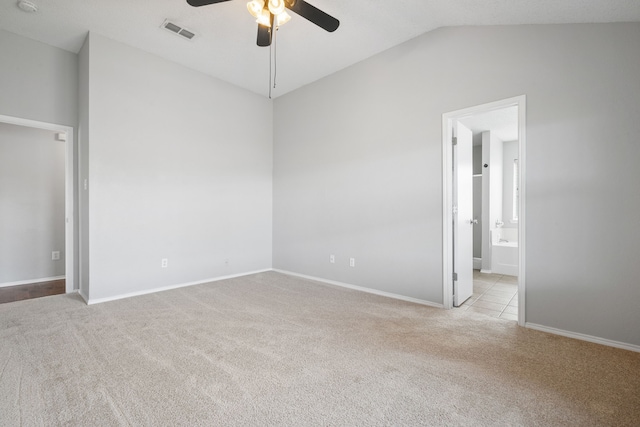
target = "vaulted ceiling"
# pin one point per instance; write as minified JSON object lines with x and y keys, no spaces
{"x":225,"y":41}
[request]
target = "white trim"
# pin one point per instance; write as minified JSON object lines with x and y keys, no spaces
{"x":361,"y":289}
{"x":522,"y":212}
{"x":447,"y":218}
{"x":447,"y":196}
{"x":91,"y":301}
{"x":485,"y":271}
{"x":583,"y":337}
{"x":28,"y":282}
{"x":84,"y":297}
{"x":69,"y":190}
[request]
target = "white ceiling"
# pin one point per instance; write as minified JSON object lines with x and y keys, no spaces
{"x":225,"y":45}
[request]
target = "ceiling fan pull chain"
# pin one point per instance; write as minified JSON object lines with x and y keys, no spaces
{"x":275,"y":56}
{"x":270,"y":69}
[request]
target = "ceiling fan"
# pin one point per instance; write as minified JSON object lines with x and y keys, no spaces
{"x":268,"y":12}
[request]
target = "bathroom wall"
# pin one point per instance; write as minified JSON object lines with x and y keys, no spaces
{"x":509,"y":154}
{"x":492,"y":191}
{"x":477,"y":200}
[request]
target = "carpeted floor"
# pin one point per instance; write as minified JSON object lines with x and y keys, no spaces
{"x":271,"y":349}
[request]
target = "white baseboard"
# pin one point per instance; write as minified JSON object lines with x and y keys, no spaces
{"x":485,"y":271}
{"x":362,"y":289}
{"x":583,"y":337}
{"x":91,"y":301}
{"x":28,"y":282}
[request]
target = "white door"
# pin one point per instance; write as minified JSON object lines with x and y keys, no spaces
{"x":462,"y":214}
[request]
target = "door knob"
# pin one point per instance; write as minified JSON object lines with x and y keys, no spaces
{"x":473,"y":221}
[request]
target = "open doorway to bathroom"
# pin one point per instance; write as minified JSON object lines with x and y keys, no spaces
{"x":483,"y":212}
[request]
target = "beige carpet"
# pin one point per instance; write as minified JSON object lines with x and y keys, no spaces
{"x":270,"y":349}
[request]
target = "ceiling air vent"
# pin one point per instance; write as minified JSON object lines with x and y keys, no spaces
{"x":176,"y":29}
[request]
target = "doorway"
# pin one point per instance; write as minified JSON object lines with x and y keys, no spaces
{"x":460,"y":128}
{"x":56,"y":261}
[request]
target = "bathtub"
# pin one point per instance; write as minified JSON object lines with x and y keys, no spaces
{"x":504,"y":251}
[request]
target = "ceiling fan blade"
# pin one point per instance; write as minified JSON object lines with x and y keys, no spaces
{"x":313,"y":14}
{"x":264,"y":36}
{"x":198,"y":3}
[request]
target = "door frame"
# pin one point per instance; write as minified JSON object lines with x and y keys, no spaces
{"x":447,"y":196}
{"x":69,"y":236}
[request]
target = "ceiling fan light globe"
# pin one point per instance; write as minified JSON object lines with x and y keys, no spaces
{"x":276,"y":6}
{"x":255,"y":7}
{"x":264,"y":18}
{"x":283,"y":18}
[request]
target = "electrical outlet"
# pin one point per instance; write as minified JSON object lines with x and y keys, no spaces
{"x":352,"y":262}
{"x":332,"y":259}
{"x":55,"y":255}
{"x":165,"y":262}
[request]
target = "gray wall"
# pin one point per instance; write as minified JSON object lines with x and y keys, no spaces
{"x":477,"y":156}
{"x":179,"y":166}
{"x":492,"y":194}
{"x":509,"y":154}
{"x":477,"y":200}
{"x":83,"y":169}
{"x":32,"y":207}
{"x":357,"y":161}
{"x":495,"y":179}
{"x":39,"y":82}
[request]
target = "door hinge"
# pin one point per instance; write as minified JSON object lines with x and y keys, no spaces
{"x":455,"y":277}
{"x":454,"y":140}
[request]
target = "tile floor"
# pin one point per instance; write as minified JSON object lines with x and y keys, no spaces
{"x":494,"y":295}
